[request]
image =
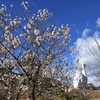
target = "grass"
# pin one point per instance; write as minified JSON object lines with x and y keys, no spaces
{"x":95,"y":95}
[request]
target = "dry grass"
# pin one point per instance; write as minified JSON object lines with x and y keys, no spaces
{"x":95,"y":95}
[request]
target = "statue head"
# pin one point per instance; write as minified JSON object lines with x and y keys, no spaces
{"x":83,"y":65}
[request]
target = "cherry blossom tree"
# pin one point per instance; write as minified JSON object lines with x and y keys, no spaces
{"x":32,"y":52}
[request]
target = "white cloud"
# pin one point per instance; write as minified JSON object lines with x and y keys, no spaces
{"x":87,"y":51}
{"x":86,"y":32}
{"x":97,"y":34}
{"x":98,"y":22}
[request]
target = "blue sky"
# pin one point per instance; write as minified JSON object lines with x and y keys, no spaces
{"x":81,"y":15}
{"x":78,"y":13}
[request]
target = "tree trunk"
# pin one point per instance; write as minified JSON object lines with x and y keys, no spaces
{"x":33,"y":92}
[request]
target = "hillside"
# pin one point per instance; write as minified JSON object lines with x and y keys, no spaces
{"x":95,"y":95}
{"x":56,"y":91}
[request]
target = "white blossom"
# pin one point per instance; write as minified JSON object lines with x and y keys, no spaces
{"x":25,"y":5}
{"x":39,"y":40}
{"x":25,"y":27}
{"x":29,"y":25}
{"x":26,"y":44}
{"x":4,"y":7}
{"x":45,"y":11}
{"x":16,"y":42}
{"x":31,"y":21}
{"x":28,"y":38}
{"x":36,"y":31}
{"x":15,"y":23}
{"x":27,"y":54}
{"x":24,"y":34}
{"x":8,"y":36}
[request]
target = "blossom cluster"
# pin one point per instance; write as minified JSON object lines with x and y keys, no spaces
{"x":29,"y":46}
{"x":25,"y":5}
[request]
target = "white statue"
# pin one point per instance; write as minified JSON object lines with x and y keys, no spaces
{"x":80,"y":79}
